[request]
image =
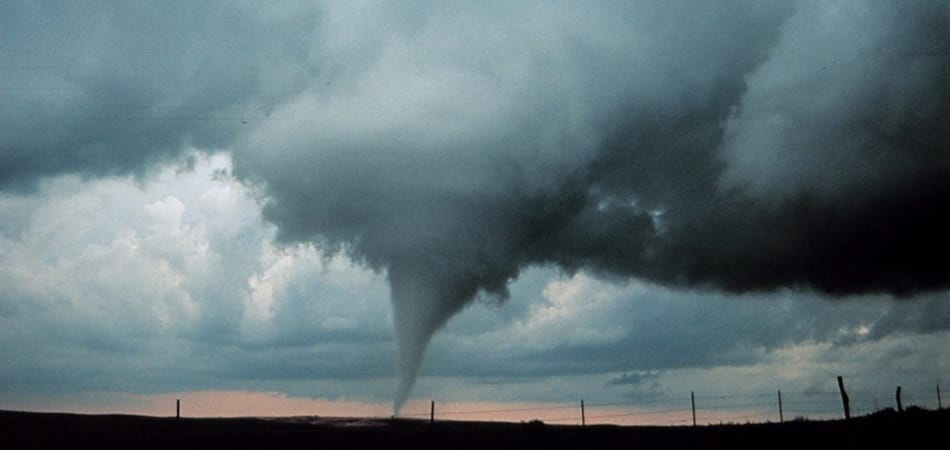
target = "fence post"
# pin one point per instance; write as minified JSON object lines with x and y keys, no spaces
{"x":844,"y":398}
{"x":781,"y":417}
{"x":178,"y":408}
{"x":939,"y":403}
{"x":432,"y":412}
{"x":583,"y":417}
{"x":900,"y":405}
{"x":692,"y":401}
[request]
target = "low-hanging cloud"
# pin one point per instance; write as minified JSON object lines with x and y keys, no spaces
{"x":730,"y":145}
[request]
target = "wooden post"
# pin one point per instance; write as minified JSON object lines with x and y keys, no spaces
{"x":844,"y":398}
{"x":781,"y":417}
{"x":583,"y":417}
{"x":432,"y":412}
{"x":900,"y":405}
{"x":178,"y":408}
{"x":692,"y":401}
{"x":939,"y":403}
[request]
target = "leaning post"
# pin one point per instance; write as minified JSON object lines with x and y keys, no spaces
{"x":845,"y":401}
{"x":583,"y":416}
{"x":692,"y":401}
{"x":781,"y":417}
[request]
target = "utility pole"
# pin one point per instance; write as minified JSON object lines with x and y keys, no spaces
{"x":432,"y":412}
{"x":692,"y":401}
{"x":178,"y":408}
{"x":844,"y":398}
{"x":939,"y":402}
{"x":781,"y":417}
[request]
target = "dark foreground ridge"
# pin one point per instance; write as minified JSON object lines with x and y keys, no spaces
{"x":909,"y":430}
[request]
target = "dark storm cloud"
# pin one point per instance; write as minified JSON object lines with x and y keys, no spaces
{"x":689,"y":144}
{"x":628,"y":152}
{"x":100,"y":88}
{"x":848,"y":194}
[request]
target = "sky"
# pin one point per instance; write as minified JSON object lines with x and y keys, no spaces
{"x":351,"y":208}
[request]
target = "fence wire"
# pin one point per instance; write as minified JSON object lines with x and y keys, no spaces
{"x":748,"y":407}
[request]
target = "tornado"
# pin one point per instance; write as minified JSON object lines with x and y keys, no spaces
{"x":419,"y":309}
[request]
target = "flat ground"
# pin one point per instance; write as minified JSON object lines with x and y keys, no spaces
{"x":908,"y":430}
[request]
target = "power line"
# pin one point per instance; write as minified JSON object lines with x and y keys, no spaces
{"x":631,"y":402}
{"x":486,"y":411}
{"x":641,"y":413}
{"x":747,"y":395}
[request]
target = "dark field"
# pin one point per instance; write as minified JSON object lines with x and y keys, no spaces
{"x":909,"y":430}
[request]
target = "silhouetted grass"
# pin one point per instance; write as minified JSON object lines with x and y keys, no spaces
{"x":912,"y":429}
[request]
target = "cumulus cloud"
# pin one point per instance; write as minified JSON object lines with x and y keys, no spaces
{"x":173,"y":284}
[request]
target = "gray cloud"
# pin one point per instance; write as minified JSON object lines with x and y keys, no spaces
{"x":736,"y":146}
{"x":635,"y":378}
{"x":605,"y":328}
{"x":99,"y":88}
{"x":638,"y":385}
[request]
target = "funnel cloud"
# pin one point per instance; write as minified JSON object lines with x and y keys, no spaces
{"x":806,"y":149}
{"x":731,"y":146}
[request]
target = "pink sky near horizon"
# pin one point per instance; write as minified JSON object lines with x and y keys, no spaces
{"x":273,"y":404}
